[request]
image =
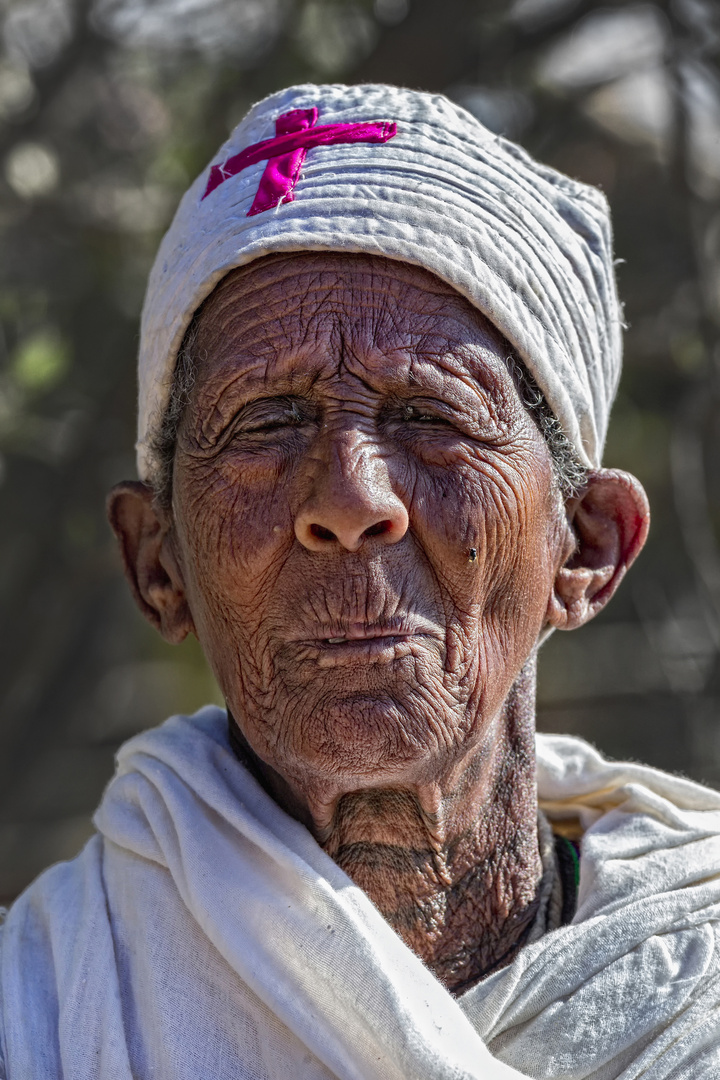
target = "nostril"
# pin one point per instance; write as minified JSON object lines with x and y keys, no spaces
{"x":379,"y":528}
{"x":321,"y":533}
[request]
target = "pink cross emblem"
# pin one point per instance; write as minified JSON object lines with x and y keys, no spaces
{"x":296,"y":132}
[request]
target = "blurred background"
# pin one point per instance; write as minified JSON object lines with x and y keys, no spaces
{"x":107,"y":110}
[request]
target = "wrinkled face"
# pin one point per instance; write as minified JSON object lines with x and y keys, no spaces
{"x":366,"y":518}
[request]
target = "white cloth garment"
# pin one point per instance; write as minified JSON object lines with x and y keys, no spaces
{"x":204,"y":935}
{"x":530,"y":248}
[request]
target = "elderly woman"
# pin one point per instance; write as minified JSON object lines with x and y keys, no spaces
{"x":378,"y":354}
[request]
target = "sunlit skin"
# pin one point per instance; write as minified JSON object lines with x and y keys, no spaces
{"x":353,"y":434}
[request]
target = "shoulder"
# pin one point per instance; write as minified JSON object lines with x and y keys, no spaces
{"x":3,"y":1074}
{"x":48,"y":934}
{"x":576,"y":780}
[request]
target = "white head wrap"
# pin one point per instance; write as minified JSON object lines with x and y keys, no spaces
{"x":528,"y":247}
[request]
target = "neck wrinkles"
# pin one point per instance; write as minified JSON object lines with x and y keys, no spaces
{"x":458,"y":877}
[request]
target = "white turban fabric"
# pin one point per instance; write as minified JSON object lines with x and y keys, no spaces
{"x":422,"y":182}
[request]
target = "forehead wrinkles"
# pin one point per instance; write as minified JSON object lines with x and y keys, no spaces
{"x":367,"y":291}
{"x":353,"y":308}
{"x":329,"y":271}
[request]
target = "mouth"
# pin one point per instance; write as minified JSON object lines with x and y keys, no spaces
{"x":356,"y":641}
{"x":363,"y":644}
{"x":364,"y":633}
{"x":383,"y":648}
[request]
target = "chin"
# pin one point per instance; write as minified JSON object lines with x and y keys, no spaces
{"x":366,"y":737}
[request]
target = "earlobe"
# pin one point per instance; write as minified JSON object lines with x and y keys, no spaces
{"x":151,"y":567}
{"x":610,"y":521}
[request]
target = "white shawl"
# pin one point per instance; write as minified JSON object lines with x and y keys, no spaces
{"x":204,"y":934}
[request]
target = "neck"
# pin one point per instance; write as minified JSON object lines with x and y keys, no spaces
{"x":454,"y":869}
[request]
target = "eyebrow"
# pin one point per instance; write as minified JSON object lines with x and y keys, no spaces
{"x":439,"y":374}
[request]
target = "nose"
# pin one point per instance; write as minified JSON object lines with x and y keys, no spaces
{"x":351,"y":498}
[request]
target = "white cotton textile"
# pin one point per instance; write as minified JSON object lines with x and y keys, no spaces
{"x":528,"y":247}
{"x":204,"y":934}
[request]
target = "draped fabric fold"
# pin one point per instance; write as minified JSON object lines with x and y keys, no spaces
{"x":203,"y":932}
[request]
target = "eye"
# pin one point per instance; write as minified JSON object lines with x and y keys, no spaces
{"x":417,"y":414}
{"x":271,"y":414}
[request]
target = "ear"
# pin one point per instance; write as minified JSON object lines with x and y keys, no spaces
{"x":610,"y":520}
{"x":151,"y":567}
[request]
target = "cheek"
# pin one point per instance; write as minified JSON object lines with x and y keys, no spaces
{"x":503,"y":510}
{"x":520,"y":564}
{"x":237,"y":515}
{"x":238,"y":535}
{"x":497,"y":508}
